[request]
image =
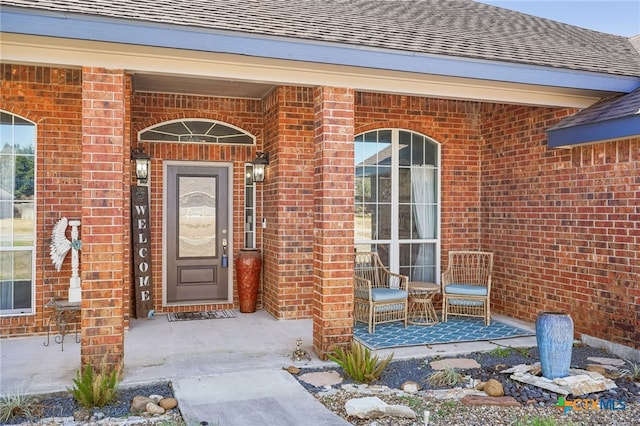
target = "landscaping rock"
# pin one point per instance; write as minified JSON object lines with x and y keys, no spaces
{"x":292,"y":369}
{"x":156,"y":397}
{"x":597,"y":369}
{"x":493,"y":388}
{"x":410,"y":387}
{"x":322,"y":378}
{"x":397,"y":410}
{"x":608,"y":361}
{"x":461,"y":363}
{"x":139,"y":404}
{"x":168,"y":403}
{"x":154,"y":409}
{"x":372,"y":407}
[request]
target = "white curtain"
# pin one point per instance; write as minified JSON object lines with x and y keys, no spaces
{"x":424,"y":197}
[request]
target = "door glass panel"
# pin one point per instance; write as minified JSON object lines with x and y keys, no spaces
{"x":196,"y":216}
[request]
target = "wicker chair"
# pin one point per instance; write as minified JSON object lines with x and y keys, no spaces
{"x":379,"y":295}
{"x":466,"y":285}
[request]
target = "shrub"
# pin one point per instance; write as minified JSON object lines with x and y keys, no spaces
{"x":359,"y":364}
{"x":95,"y":388}
{"x":632,"y":373}
{"x":17,"y":404}
{"x":450,"y":376}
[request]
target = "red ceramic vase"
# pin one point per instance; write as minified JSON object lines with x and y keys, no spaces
{"x":248,"y":266}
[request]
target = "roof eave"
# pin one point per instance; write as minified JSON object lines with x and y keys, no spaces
{"x":589,"y":133}
{"x":30,"y":22}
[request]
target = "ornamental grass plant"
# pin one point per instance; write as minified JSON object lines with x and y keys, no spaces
{"x":359,"y":364}
{"x":96,"y":387}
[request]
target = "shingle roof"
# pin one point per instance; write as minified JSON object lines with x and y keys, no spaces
{"x":627,"y":105}
{"x":461,"y":28}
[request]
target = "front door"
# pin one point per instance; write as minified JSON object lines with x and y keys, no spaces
{"x":197,"y":240}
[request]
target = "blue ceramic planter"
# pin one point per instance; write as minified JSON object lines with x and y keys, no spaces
{"x":554,"y":333}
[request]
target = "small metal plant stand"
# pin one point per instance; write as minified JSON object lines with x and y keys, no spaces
{"x":299,"y":353}
{"x":64,"y":314}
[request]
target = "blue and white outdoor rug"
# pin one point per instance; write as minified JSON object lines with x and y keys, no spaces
{"x":456,"y":329}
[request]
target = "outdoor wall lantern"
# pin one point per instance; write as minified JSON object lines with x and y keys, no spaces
{"x":259,"y":164}
{"x":143,"y":164}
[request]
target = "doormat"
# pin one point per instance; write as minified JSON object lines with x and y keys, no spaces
{"x":455,"y":330}
{"x":201,"y":315}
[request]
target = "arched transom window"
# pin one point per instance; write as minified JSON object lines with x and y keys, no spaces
{"x":196,"y":131}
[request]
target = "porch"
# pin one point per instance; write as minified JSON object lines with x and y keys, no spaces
{"x":159,"y":350}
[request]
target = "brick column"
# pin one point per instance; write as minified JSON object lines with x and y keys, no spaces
{"x":333,"y":219}
{"x":103,"y":212}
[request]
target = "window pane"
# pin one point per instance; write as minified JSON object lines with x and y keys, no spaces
{"x":363,"y":226}
{"x":22,"y":294}
{"x":418,"y":261}
{"x":424,"y":219}
{"x":22,"y":265}
{"x":6,"y":223}
{"x":6,"y":266}
{"x":23,"y":224}
{"x":24,"y":134}
{"x":384,"y":221}
{"x":24,"y":177}
{"x":6,"y":177}
{"x":404,"y":185}
{"x":405,"y":221}
{"x":383,"y":185}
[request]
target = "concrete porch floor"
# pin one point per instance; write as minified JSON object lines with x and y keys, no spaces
{"x":158,"y":350}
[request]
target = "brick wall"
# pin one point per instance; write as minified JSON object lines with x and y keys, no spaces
{"x":563,"y":224}
{"x":52,"y":98}
{"x":148,"y":109}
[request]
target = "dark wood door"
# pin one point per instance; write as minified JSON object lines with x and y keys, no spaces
{"x":197,"y":233}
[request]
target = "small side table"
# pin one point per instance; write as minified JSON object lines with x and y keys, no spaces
{"x":64,"y":313}
{"x":421,"y":310}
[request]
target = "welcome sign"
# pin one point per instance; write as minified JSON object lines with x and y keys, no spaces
{"x":141,"y":246}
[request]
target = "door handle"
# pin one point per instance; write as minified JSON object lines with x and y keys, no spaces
{"x":225,"y":259}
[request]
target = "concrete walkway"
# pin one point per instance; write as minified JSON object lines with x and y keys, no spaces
{"x":223,"y":371}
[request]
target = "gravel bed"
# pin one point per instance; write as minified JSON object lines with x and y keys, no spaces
{"x":453,"y":413}
{"x":536,"y":403}
{"x":64,"y":406}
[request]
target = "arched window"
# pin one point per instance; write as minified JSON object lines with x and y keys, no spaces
{"x":196,"y":131}
{"x":17,"y":213}
{"x":397,"y":197}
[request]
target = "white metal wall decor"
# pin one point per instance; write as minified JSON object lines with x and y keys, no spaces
{"x":60,"y":246}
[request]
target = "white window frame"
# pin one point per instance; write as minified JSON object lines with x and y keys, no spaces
{"x":394,"y":242}
{"x":31,"y":310}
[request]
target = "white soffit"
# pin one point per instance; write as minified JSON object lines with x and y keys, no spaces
{"x":237,"y":68}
